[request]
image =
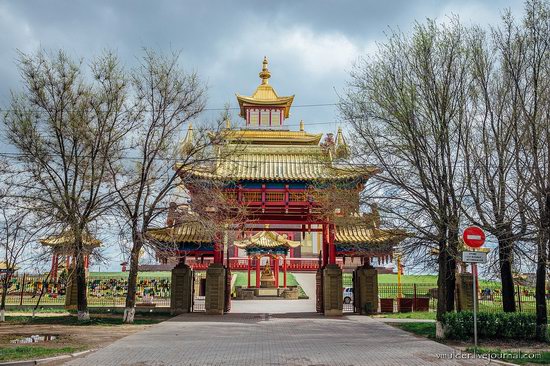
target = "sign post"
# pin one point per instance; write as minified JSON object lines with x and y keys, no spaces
{"x":474,"y":237}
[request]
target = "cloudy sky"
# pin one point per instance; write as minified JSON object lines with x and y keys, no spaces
{"x":311,"y":45}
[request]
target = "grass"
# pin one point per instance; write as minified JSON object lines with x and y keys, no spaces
{"x":242,"y":279}
{"x":412,"y":315}
{"x":517,"y":357}
{"x":73,"y":320}
{"x":417,"y":279}
{"x":421,"y":329}
{"x":33,"y":352}
{"x":124,"y":275}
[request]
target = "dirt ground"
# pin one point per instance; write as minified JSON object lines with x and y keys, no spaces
{"x":81,"y":337}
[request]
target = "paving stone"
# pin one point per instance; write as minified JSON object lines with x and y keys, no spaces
{"x":271,"y":339}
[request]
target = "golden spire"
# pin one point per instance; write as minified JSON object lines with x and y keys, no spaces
{"x":340,"y":137}
{"x":342,"y":149}
{"x":301,"y":125}
{"x":187,"y":144}
{"x":265,"y":74}
{"x":228,"y":124}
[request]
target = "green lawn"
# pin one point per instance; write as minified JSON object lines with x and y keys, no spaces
{"x":517,"y":357}
{"x":33,"y":352}
{"x":421,"y":329}
{"x":417,"y":279}
{"x":412,"y":315}
{"x":242,"y":279}
{"x":73,"y":320}
{"x":124,"y":275}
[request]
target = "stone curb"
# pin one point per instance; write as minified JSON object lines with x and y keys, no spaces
{"x":46,"y":360}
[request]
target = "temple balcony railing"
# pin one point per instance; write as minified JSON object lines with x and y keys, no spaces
{"x":272,"y":196}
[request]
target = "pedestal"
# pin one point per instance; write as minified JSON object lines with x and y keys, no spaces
{"x":366,"y":290}
{"x":332,"y":290}
{"x":215,"y":289}
{"x":181,"y":289}
{"x":71,"y":297}
{"x":464,"y":293}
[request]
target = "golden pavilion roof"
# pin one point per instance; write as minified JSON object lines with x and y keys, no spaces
{"x":266,"y":240}
{"x":365,"y":234}
{"x":4,"y":267}
{"x":66,"y":238}
{"x":279,"y":163}
{"x":265,"y":95}
{"x":188,"y":232}
{"x":283,"y":137}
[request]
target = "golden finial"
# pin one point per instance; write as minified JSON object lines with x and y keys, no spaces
{"x":301,"y":125}
{"x":339,"y":136}
{"x":264,"y":74}
{"x":228,"y":124}
{"x":342,"y":148}
{"x":187,"y":144}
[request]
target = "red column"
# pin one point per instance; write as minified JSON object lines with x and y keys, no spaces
{"x":218,"y":253}
{"x":276,"y":260}
{"x":67,"y":262}
{"x":249,"y":271}
{"x":325,"y":245}
{"x":331,"y":246}
{"x":284,"y":270}
{"x":54,"y":266}
{"x":86,"y":262}
{"x":258,"y":271}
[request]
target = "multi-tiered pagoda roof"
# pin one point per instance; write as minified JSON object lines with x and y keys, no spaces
{"x":265,"y":160}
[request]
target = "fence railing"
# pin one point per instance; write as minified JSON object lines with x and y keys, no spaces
{"x":155,"y":291}
{"x":423,"y":297}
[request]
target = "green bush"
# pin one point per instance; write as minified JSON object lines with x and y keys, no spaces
{"x":490,"y":325}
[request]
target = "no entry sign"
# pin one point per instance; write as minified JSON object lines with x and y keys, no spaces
{"x":473,"y":237}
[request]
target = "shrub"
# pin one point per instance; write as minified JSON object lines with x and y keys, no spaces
{"x":490,"y":325}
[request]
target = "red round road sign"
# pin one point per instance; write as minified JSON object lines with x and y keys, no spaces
{"x":473,"y":237}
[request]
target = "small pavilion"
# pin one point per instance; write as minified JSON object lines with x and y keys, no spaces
{"x":272,"y":245}
{"x":62,"y":246}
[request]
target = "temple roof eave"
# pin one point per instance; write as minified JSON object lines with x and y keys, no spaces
{"x":244,"y":101}
{"x":67,"y":239}
{"x":267,"y":240}
{"x":182,"y":233}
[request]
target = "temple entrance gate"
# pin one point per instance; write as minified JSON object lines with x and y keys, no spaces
{"x":265,"y":178}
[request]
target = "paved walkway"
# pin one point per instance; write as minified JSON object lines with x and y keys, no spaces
{"x":271,"y":339}
{"x":306,"y":280}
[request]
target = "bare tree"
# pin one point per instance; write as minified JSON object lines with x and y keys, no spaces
{"x":407,"y":107}
{"x":166,"y":99}
{"x":65,"y":129}
{"x":525,"y":52}
{"x":17,"y":233}
{"x":496,"y":194}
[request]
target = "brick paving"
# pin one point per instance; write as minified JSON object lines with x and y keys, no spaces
{"x":271,"y":339}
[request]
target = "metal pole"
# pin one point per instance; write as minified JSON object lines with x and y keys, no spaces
{"x":474,"y":275}
{"x":22,"y":289}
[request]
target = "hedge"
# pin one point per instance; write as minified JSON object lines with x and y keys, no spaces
{"x":460,"y":325}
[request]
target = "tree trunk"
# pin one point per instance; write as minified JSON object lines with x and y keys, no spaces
{"x":446,"y":280}
{"x":441,"y":288}
{"x":540,"y":290}
{"x":505,"y":246}
{"x":5,"y":282}
{"x":130,"y":308}
{"x":81,"y":286}
{"x":451,"y":255}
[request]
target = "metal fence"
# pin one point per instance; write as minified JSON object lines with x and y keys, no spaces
{"x":394,"y":298}
{"x":102,"y":292}
{"x":155,"y":291}
{"x":199,"y":291}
